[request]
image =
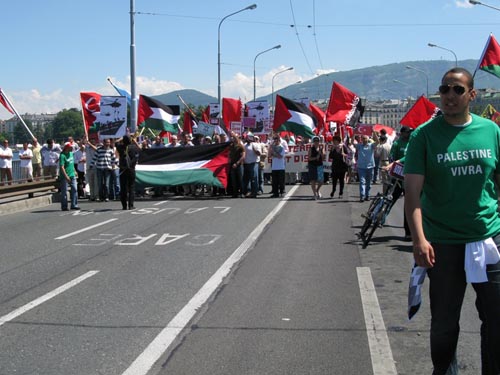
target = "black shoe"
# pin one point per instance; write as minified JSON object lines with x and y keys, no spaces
{"x":331,"y":194}
{"x":275,"y":196}
{"x":131,"y":208}
{"x":76,"y":208}
{"x":64,"y":209}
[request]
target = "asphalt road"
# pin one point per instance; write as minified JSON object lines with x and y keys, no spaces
{"x":212,"y":286}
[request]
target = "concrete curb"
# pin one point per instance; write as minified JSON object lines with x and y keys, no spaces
{"x":11,"y":207}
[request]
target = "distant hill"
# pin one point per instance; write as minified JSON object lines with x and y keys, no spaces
{"x":372,"y":83}
{"x":191,"y":97}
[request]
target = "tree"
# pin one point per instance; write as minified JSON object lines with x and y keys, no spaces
{"x":20,"y":133}
{"x":68,"y":122}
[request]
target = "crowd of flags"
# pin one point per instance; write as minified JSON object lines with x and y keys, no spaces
{"x":341,"y":116}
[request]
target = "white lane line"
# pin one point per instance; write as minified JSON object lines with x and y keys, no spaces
{"x":145,"y":361}
{"x":380,"y":348}
{"x":84,"y":229}
{"x":31,"y":305}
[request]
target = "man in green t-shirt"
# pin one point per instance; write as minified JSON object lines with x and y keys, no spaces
{"x":67,"y":176}
{"x":451,"y":166}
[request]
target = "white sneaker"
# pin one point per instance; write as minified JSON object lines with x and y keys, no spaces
{"x":319,"y":195}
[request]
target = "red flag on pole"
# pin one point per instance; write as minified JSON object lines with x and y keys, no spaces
{"x":5,"y":102}
{"x":188,"y":122}
{"x":205,"y":116}
{"x":344,"y":106}
{"x":231,"y":111}
{"x":91,"y":108}
{"x":422,"y":111}
{"x":320,"y":117}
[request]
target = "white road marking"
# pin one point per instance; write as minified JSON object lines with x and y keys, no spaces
{"x":145,"y":361}
{"x":84,"y":229}
{"x":380,"y":348}
{"x":31,"y":305}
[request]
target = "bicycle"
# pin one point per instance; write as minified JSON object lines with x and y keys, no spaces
{"x":380,"y":206}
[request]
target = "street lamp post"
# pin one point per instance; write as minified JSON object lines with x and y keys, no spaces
{"x":446,"y":49}
{"x":405,"y":84}
{"x":272,"y":84}
{"x":424,"y":73}
{"x":250,"y":7}
{"x":260,"y":53}
{"x":474,"y":2}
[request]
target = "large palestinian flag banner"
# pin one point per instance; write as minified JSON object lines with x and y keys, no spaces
{"x":206,"y":164}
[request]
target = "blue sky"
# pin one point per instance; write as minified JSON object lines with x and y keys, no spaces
{"x":53,"y":49}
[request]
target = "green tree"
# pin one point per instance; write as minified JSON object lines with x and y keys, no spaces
{"x":67,"y":123}
{"x":20,"y":133}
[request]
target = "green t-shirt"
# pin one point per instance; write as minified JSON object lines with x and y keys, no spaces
{"x":67,"y":161}
{"x":398,"y":149}
{"x":459,"y":201}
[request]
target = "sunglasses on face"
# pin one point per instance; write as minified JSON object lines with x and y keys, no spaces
{"x":459,"y":90}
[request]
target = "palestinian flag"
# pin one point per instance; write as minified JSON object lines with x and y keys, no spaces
{"x":422,"y":111}
{"x":293,"y":116}
{"x":491,"y":113}
{"x":206,"y":164}
{"x":490,"y":59}
{"x":156,"y":115}
{"x":344,"y":106}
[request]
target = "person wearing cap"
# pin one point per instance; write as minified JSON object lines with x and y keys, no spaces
{"x":67,"y":177}
{"x":452,"y":172}
{"x":6,"y":156}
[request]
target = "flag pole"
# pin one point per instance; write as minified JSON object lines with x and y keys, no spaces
{"x":188,"y":108}
{"x":17,"y":114}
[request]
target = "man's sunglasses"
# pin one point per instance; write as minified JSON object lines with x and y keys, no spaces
{"x":459,"y":90}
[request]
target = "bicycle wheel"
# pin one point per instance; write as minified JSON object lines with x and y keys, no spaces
{"x":379,"y":216}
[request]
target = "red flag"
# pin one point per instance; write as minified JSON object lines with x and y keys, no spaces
{"x":91,"y":108}
{"x":344,"y":106}
{"x":320,"y":117}
{"x":188,"y":122}
{"x":5,"y":102}
{"x":422,"y":111}
{"x":490,"y":59}
{"x":231,"y":110}
{"x":205,"y":116}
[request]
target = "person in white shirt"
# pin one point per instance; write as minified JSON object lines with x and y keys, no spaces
{"x":5,"y":162}
{"x":277,"y":152}
{"x":25,"y":156}
{"x":250,"y":167}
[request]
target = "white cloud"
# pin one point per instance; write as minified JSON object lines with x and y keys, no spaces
{"x":463,"y":4}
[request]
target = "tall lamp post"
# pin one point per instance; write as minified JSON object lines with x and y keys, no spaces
{"x":255,"y":59}
{"x":446,"y":49}
{"x":250,"y":7}
{"x":272,"y":84}
{"x":474,"y":2}
{"x":424,"y":73}
{"x":405,"y":84}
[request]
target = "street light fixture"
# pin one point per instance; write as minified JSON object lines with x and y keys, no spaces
{"x":260,"y":53}
{"x":250,"y":7}
{"x":272,"y":84}
{"x":424,"y":73}
{"x":474,"y":2}
{"x":446,"y":49}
